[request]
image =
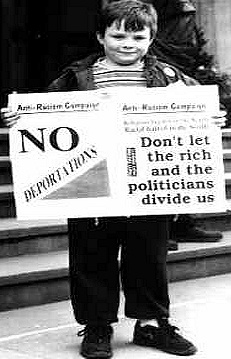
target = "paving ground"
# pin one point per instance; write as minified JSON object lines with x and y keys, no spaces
{"x":201,"y":308}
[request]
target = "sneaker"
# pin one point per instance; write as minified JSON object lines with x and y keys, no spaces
{"x":185,"y":229}
{"x":172,"y":245}
{"x":163,"y":338}
{"x":196,"y":234}
{"x":96,"y":342}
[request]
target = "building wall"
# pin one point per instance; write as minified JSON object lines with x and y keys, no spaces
{"x":214,"y":16}
{"x":13,"y":44}
{"x":37,"y":38}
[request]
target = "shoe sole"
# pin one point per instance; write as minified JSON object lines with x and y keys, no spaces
{"x":191,"y":351}
{"x":99,"y":355}
{"x":198,"y":240}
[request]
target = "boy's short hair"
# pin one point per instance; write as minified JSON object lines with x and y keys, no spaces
{"x":135,"y":14}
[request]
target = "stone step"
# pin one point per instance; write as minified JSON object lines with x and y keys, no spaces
{"x":227,"y":160}
{"x":215,"y":221}
{"x":228,"y":185}
{"x":36,"y":279}
{"x":33,"y":279}
{"x":19,"y":238}
{"x":42,"y":236}
{"x":197,"y":260}
{"x":5,"y":170}
{"x":226,"y":138}
{"x":4,"y":141}
{"x":7,"y":203}
{"x":32,"y":237}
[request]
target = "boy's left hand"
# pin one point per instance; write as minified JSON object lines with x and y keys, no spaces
{"x":219,"y":118}
{"x":8,"y":117}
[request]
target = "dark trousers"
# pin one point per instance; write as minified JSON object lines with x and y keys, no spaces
{"x":96,"y":274}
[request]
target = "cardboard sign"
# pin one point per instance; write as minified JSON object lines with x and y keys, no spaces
{"x":93,"y":154}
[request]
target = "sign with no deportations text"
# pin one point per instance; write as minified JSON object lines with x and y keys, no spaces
{"x":93,"y":154}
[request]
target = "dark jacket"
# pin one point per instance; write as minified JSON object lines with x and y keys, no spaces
{"x":79,"y":75}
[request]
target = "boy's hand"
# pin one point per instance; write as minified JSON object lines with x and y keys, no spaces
{"x":8,"y":117}
{"x":219,"y":118}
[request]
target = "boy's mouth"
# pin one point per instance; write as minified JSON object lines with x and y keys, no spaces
{"x":127,"y":52}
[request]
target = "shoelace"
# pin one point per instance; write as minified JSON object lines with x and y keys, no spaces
{"x":166,"y":326}
{"x":171,"y":330}
{"x":99,"y":333}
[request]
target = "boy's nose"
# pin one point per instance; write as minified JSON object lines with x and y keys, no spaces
{"x":128,"y":44}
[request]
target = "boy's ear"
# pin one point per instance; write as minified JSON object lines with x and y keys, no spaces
{"x":99,"y":38}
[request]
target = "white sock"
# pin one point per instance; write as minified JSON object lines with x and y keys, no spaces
{"x":153,"y":322}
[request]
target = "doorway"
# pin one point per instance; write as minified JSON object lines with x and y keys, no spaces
{"x":38,"y":38}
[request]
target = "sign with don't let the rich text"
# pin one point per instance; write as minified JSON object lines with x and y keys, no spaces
{"x":92,"y":154}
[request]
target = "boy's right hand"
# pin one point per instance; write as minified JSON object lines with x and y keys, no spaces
{"x":8,"y":117}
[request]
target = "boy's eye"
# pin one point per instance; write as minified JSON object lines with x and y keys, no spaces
{"x":139,"y":37}
{"x":118,"y":37}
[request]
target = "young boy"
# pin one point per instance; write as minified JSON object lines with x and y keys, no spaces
{"x":125,"y":31}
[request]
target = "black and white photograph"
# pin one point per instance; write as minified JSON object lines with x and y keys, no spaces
{"x":115,"y":179}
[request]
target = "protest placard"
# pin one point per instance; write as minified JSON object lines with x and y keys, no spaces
{"x":174,"y":151}
{"x":91,"y":154}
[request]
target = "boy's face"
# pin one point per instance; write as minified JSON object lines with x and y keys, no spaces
{"x":125,"y":47}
